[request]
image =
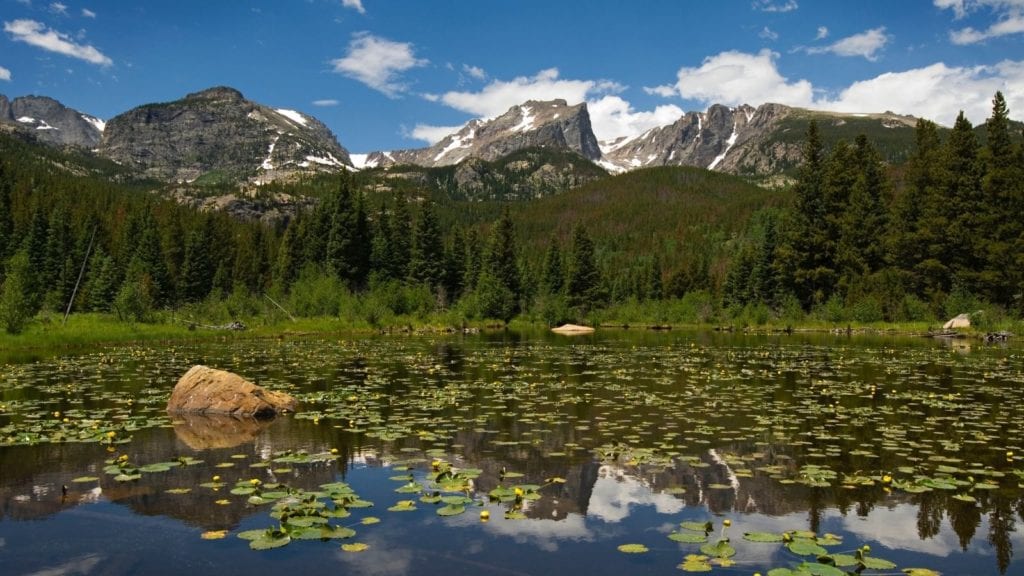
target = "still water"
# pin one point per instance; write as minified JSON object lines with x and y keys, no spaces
{"x":910,"y":446}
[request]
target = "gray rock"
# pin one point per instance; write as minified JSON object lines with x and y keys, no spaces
{"x":50,"y":122}
{"x":548,"y":124}
{"x":219,"y":134}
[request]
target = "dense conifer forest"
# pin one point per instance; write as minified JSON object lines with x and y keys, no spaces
{"x":852,"y":240}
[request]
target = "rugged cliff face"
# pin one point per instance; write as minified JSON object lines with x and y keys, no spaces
{"x":218,"y":134}
{"x":551,"y":124}
{"x":711,"y":139}
{"x":51,"y":122}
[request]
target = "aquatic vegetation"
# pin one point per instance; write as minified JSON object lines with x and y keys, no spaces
{"x":696,"y":423}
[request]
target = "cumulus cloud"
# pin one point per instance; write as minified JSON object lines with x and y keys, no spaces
{"x":38,"y":35}
{"x":1010,"y":14}
{"x":325,"y":102}
{"x":768,"y":34}
{"x":866,"y":44}
{"x":356,"y":5}
{"x":5,"y":74}
{"x":822,"y":33}
{"x":774,"y":6}
{"x":431,"y":134}
{"x":500,"y":95}
{"x":378,"y":62}
{"x":937,"y":92}
{"x":733,"y":78}
{"x":610,"y":116}
{"x":86,"y":13}
{"x":59,"y":8}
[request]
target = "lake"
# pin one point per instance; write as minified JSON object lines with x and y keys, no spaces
{"x":623,"y":452}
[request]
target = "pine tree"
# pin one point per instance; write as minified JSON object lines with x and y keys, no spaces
{"x":6,"y":221}
{"x":35,"y":247}
{"x":342,"y":250}
{"x":916,"y":213}
{"x":553,"y":278}
{"x":860,"y":251}
{"x":197,"y":270}
{"x":14,"y":294}
{"x":426,"y":261}
{"x":380,"y":249}
{"x":962,"y":245}
{"x":101,"y":283}
{"x":474,"y":259}
{"x":289,"y":256}
{"x":583,"y":283}
{"x":455,"y":265}
{"x":807,"y":257}
{"x":400,"y":239}
{"x":147,"y":267}
{"x":1000,"y":279}
{"x":654,"y":288}
{"x":501,"y":259}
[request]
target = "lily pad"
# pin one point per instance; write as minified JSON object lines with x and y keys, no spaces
{"x":633,"y":548}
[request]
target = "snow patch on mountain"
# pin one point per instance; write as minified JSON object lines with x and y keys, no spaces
{"x":99,"y":124}
{"x":728,"y":146}
{"x":293,"y":116}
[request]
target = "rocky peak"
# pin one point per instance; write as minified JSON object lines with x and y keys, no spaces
{"x":217,"y":93}
{"x":217,"y":133}
{"x":705,"y":139}
{"x":51,"y":122}
{"x":543,"y":124}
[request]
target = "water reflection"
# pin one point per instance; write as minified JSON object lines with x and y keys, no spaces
{"x":207,"y":431}
{"x":645,"y":432}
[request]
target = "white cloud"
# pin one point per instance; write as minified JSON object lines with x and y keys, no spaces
{"x":1009,"y":12}
{"x":500,"y":95}
{"x":1012,"y":23}
{"x":38,"y":35}
{"x":822,"y":33}
{"x":325,"y":102}
{"x":5,"y":74}
{"x":86,"y":13}
{"x":937,"y":92}
{"x":432,"y":134}
{"x":356,"y":5}
{"x":614,"y":493}
{"x":734,"y":78}
{"x":474,"y":71}
{"x":58,"y":8}
{"x":378,"y":62}
{"x":866,"y":44}
{"x":612,"y":117}
{"x":663,"y":91}
{"x":772,"y":6}
{"x":768,"y":34}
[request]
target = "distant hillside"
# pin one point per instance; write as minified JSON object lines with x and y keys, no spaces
{"x":683,"y":214}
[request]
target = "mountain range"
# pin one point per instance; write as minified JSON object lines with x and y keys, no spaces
{"x":217,"y":135}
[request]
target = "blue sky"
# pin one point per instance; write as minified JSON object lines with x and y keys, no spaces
{"x":399,"y":74}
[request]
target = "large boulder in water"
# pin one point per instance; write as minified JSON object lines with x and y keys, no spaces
{"x":204,"y":390}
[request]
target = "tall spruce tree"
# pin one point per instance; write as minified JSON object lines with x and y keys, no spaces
{"x":962,"y":244}
{"x":807,"y":255}
{"x":553,"y":278}
{"x":400,"y":240}
{"x":916,"y":215}
{"x":426,"y":259}
{"x":860,"y":251}
{"x":502,"y":257}
{"x":583,"y":289}
{"x":6,"y":220}
{"x":1001,"y":278}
